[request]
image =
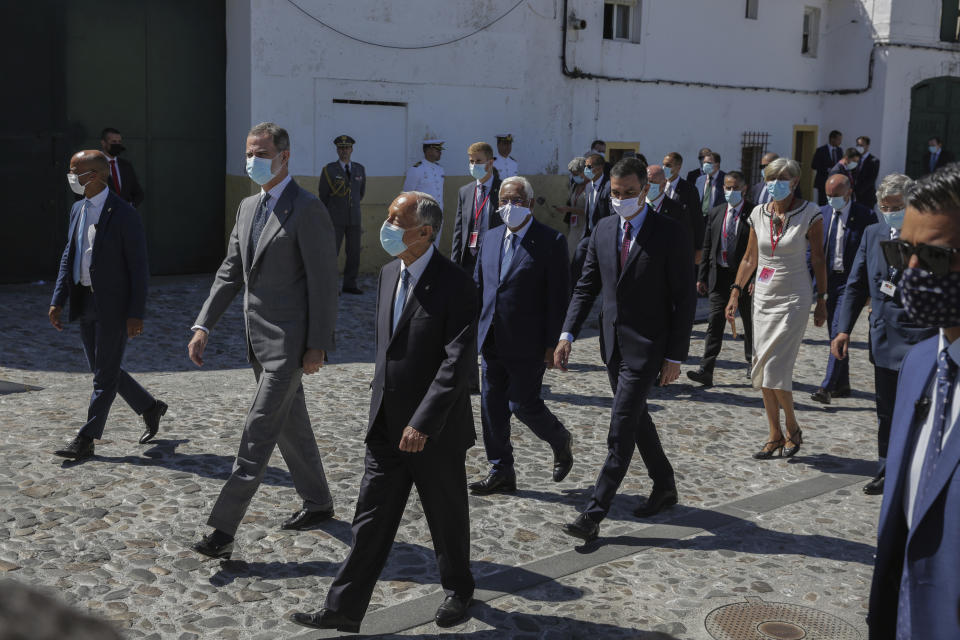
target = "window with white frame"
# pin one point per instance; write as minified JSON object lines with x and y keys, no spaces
{"x":621,"y":20}
{"x":811,"y":29}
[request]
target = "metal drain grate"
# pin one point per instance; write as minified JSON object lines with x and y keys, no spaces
{"x":759,"y":620}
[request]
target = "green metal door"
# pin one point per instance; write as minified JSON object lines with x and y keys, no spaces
{"x":934,"y":111}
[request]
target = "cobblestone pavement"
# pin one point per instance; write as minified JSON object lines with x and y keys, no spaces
{"x":112,"y":535}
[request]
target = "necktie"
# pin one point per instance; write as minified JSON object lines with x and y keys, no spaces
{"x":81,"y":240}
{"x":507,"y":255}
{"x":116,"y":175}
{"x":259,"y":222}
{"x":832,"y":240}
{"x":933,"y":161}
{"x":707,"y":192}
{"x":730,"y":236}
{"x":401,"y":300}
{"x":835,"y":152}
{"x":346,"y":168}
{"x":625,"y":245}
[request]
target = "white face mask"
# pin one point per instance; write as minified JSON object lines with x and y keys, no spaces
{"x":73,"y":180}
{"x":625,"y":208}
{"x":513,"y":215}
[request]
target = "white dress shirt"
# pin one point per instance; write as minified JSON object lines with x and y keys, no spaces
{"x":671,"y":187}
{"x":415,"y":269}
{"x":926,"y":433}
{"x":841,"y":230}
{"x":87,"y":234}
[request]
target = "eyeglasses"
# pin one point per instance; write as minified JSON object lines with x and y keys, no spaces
{"x":931,"y":258}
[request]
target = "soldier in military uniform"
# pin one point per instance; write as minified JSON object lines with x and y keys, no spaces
{"x":427,"y":175}
{"x":505,"y":165}
{"x":342,"y":185}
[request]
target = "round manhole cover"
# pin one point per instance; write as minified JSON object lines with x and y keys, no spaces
{"x":759,"y":620}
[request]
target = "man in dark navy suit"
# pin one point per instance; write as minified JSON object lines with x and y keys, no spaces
{"x":710,"y":184}
{"x":865,"y":187}
{"x":523,"y":282}
{"x":598,"y":207}
{"x":421,"y":422}
{"x":642,"y":263}
{"x":844,"y":221}
{"x":935,"y":156}
{"x":892,"y":332}
{"x":686,"y":194}
{"x":916,"y":577}
{"x":824,"y":159}
{"x":476,"y":207}
{"x":104,"y":274}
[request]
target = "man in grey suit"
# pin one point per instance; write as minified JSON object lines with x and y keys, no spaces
{"x":342,"y":185}
{"x":281,"y":255}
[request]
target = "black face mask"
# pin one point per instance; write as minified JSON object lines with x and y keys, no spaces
{"x":116,"y":149}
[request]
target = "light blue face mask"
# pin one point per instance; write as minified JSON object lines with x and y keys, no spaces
{"x":478,"y":170}
{"x":778,"y":189}
{"x":578,"y":179}
{"x":708,"y":168}
{"x":850,"y":166}
{"x":894,"y":218}
{"x":654,"y":192}
{"x":933,"y":149}
{"x":668,"y":172}
{"x":391,"y":239}
{"x":837,"y":202}
{"x":589,"y":174}
{"x":260,"y":169}
{"x":733,"y":197}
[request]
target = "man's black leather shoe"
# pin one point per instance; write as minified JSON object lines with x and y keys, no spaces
{"x":215,"y":545}
{"x":563,"y":460}
{"x":659,"y":500}
{"x":326,"y":619}
{"x":304,"y":519}
{"x":583,"y":527}
{"x":453,"y":611}
{"x":79,"y":448}
{"x":495,"y":483}
{"x":821,"y":395}
{"x":151,"y":419}
{"x":354,"y":290}
{"x":701,"y":376}
{"x":875,"y":486}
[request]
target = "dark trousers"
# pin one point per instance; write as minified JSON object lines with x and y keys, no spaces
{"x":717,"y":321}
{"x":441,"y":480}
{"x":513,"y":387}
{"x":352,"y":267}
{"x":630,"y":425}
{"x":104,"y":342}
{"x":885,"y":381}
{"x":576,"y":263}
{"x":277,"y":418}
{"x":837,"y":377}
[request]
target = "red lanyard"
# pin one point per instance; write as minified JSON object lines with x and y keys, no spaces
{"x":786,"y":221}
{"x":477,"y":209}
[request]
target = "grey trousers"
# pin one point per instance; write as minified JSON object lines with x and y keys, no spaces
{"x":278,"y":417}
{"x":351,"y":268}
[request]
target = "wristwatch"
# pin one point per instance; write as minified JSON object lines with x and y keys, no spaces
{"x":737,"y":287}
{"x":822,"y":296}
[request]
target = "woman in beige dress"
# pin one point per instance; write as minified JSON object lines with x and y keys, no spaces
{"x":782,"y":231}
{"x":573,"y":213}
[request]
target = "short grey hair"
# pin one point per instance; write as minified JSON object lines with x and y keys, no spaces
{"x":577,"y":165}
{"x":281,"y":140}
{"x":428,"y":211}
{"x":781,"y":166}
{"x":894,"y":184}
{"x":524,"y":184}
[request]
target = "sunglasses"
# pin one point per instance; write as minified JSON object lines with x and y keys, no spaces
{"x":934,"y":259}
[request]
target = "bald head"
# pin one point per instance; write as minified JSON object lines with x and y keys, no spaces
{"x":92,"y":171}
{"x":656,"y":175}
{"x":90,"y":160}
{"x":768,"y":158}
{"x":838,"y":185}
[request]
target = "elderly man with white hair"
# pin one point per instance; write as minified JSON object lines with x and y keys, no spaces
{"x":521,"y":275}
{"x":892,"y":333}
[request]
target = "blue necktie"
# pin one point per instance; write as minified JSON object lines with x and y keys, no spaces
{"x":401,"y":300}
{"x":832,"y":240}
{"x":507,"y":257}
{"x":81,"y":239}
{"x":259,"y":222}
{"x":933,"y":161}
{"x":946,"y":377}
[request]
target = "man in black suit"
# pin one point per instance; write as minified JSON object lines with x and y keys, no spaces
{"x":476,"y":207}
{"x":824,"y":159}
{"x":599,"y":146}
{"x":106,"y":252}
{"x":695,"y":174}
{"x":123,"y":179}
{"x":724,"y":244}
{"x":849,"y":167}
{"x":710,"y":184}
{"x":421,"y":422}
{"x":865,"y":187}
{"x":685,"y":193}
{"x":935,"y":156}
{"x":642,"y":263}
{"x":598,"y":207}
{"x":522,"y":279}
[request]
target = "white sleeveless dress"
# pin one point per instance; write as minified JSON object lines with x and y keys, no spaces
{"x":783,"y":293}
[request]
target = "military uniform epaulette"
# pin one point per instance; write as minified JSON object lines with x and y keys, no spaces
{"x":417,"y":164}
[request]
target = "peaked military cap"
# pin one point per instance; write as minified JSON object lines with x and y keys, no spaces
{"x":344,"y":141}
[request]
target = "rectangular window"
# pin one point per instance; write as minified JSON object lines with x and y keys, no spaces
{"x":950,"y":21}
{"x":811,"y":29}
{"x":621,"y":20}
{"x":752,"y":9}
